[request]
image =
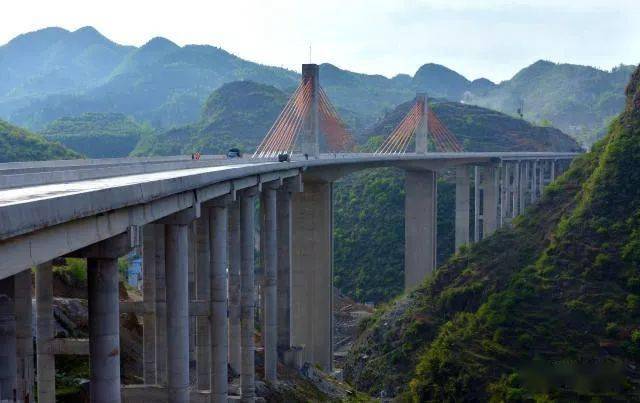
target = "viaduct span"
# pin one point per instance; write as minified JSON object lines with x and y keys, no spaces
{"x":199,"y":216}
{"x":195,"y":225}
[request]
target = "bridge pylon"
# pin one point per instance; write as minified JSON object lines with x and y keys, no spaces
{"x":307,"y":115}
{"x":422,"y":130}
{"x":310,"y":141}
{"x":421,"y":126}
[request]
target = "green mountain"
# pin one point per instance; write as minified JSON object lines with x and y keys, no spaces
{"x":53,"y":73}
{"x":97,"y":135}
{"x":238,"y":114}
{"x":160,"y":82}
{"x":369,"y":205}
{"x":481,"y":129}
{"x":547,"y":310}
{"x":17,"y":144}
{"x":580,"y":100}
{"x":54,"y":60}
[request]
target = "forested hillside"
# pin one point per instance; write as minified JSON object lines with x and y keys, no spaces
{"x":369,"y":205}
{"x":580,"y":100}
{"x":546,"y":310}
{"x":238,"y":114}
{"x":17,"y":144}
{"x":97,"y":135}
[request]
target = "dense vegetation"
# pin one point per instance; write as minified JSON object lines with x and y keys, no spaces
{"x":53,"y":73}
{"x":17,"y":144}
{"x":238,"y":114}
{"x":369,"y":205}
{"x":547,"y":310}
{"x":97,"y":135}
{"x":580,"y":100}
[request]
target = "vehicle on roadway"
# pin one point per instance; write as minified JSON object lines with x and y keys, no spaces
{"x":234,"y":153}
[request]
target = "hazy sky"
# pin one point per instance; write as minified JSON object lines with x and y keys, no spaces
{"x":490,"y":38}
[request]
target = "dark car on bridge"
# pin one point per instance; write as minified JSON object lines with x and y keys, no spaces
{"x":234,"y":153}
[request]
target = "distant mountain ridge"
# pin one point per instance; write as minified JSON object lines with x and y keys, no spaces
{"x":53,"y":73}
{"x":580,"y":100}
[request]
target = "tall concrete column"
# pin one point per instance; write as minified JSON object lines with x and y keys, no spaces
{"x":553,"y":170}
{"x":247,"y":284}
{"x":462,"y":206}
{"x":8,"y":385}
{"x":235,"y":256}
{"x":46,"y":369}
{"x":149,"y":264}
{"x":312,"y":281}
{"x":516,"y":189}
{"x":541,"y":165}
{"x":104,"y":328}
{"x":177,"y":266}
{"x":104,"y":314}
{"x":203,"y":293}
{"x":161,"y":304}
{"x":504,"y":194}
{"x":522,"y":191}
{"x":219,"y":225}
{"x":310,"y":141}
{"x":24,"y":335}
{"x":476,"y":203}
{"x":490,"y":201}
{"x":422,"y":131}
{"x":420,"y":208}
{"x":534,"y":181}
{"x":270,"y":259}
{"x":284,"y":269}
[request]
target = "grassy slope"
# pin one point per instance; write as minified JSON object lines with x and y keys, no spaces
{"x":17,"y":144}
{"x":546,"y":310}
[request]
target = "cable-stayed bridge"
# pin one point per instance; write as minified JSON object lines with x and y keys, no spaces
{"x":196,"y":219}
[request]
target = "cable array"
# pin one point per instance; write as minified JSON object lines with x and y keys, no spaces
{"x":400,"y":138}
{"x":337,"y":136}
{"x":281,"y":137}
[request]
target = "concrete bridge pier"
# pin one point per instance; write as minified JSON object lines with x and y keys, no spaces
{"x":203,"y":288}
{"x":462,"y":206}
{"x":489,"y":200}
{"x":420,"y":226}
{"x":235,"y":257}
{"x":283,"y":224}
{"x":312,"y":275}
{"x":541,"y":175}
{"x":270,"y":263}
{"x":218,"y":243}
{"x":505,"y":184}
{"x":177,"y":302}
{"x":8,"y":381}
{"x":104,"y":314}
{"x":477,"y":196}
{"x":534,"y":181}
{"x":148,"y":297}
{"x":24,"y":336}
{"x":247,"y":311}
{"x":45,"y":361}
